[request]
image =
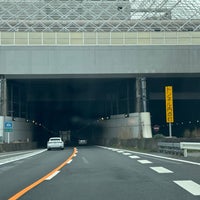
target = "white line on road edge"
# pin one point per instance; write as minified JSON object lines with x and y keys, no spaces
{"x":16,"y":158}
{"x":190,"y":186}
{"x":144,"y":161}
{"x":14,"y":153}
{"x":161,"y":170}
{"x":52,"y":175}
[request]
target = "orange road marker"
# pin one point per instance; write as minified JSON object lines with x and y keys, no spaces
{"x":28,"y":188}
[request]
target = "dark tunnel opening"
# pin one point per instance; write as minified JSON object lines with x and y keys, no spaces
{"x":56,"y":105}
{"x":76,"y":104}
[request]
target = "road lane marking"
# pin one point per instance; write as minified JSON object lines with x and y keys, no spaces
{"x":52,"y":176}
{"x":28,"y":188}
{"x":156,"y":156}
{"x":166,"y":158}
{"x":20,"y":157}
{"x":126,"y":154}
{"x":85,"y":160}
{"x":115,"y":149}
{"x":189,"y":186}
{"x":144,"y":161}
{"x":134,"y":157}
{"x":161,"y":170}
{"x":120,"y":151}
{"x":69,"y":161}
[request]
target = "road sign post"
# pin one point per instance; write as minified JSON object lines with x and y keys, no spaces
{"x":169,"y":107}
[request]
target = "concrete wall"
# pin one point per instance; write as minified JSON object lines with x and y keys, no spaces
{"x":21,"y":130}
{"x":17,"y":146}
{"x":112,"y":60}
{"x":137,"y":125}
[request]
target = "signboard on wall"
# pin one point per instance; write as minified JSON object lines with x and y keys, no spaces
{"x":169,"y":104}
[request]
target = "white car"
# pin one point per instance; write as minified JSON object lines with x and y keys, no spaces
{"x":55,"y":143}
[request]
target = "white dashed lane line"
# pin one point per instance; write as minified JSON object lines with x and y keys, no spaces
{"x":134,"y":157}
{"x":126,"y":154}
{"x":120,"y":151}
{"x":85,"y":160}
{"x":69,"y":161}
{"x":52,"y":175}
{"x":161,"y":170}
{"x":189,"y":186}
{"x":144,"y":161}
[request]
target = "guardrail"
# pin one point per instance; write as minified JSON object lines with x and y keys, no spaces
{"x":167,"y":147}
{"x":99,"y":38}
{"x":189,"y":146}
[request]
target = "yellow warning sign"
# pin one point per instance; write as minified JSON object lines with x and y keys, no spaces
{"x":169,"y":104}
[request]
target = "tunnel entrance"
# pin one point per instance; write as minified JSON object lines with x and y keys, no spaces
{"x":74,"y":104}
{"x":69,"y":104}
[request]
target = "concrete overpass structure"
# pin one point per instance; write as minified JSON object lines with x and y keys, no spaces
{"x":48,"y":49}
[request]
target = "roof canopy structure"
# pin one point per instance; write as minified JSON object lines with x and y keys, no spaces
{"x":99,"y":15}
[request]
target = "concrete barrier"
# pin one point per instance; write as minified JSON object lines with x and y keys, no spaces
{"x":18,"y":146}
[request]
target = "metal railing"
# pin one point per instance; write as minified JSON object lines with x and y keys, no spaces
{"x":169,"y":147}
{"x":98,"y":38}
{"x":189,"y":146}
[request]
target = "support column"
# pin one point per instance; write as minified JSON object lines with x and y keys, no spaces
{"x":12,"y":102}
{"x":144,"y":94}
{"x":141,"y":95}
{"x":128,"y":96}
{"x":138,"y":95}
{"x":141,"y":102}
{"x":3,"y":96}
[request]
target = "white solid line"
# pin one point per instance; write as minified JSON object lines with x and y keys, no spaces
{"x":20,"y":157}
{"x":190,"y":186}
{"x":144,"y":161}
{"x":134,"y":157}
{"x":52,"y":175}
{"x":161,"y":170}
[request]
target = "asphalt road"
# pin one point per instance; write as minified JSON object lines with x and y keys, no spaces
{"x":96,"y":173}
